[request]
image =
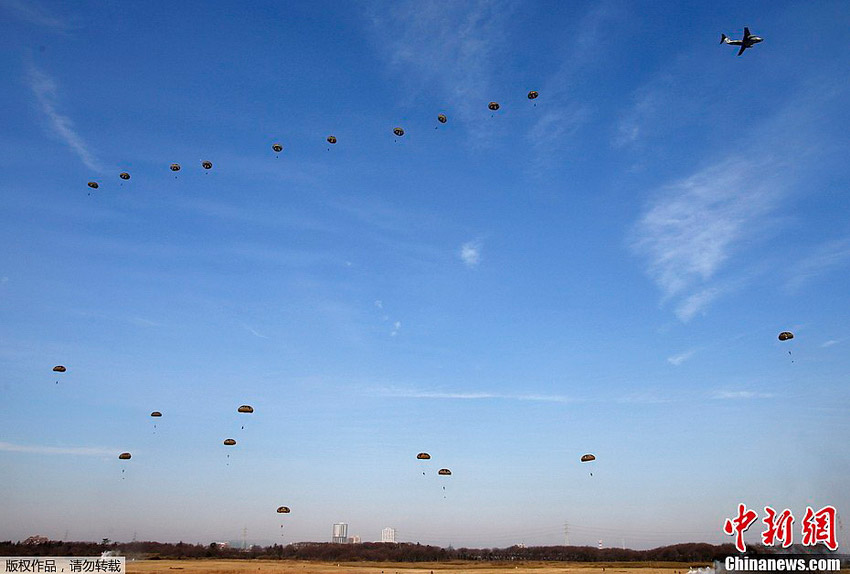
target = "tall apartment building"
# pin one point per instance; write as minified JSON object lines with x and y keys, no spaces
{"x":388,"y":535}
{"x":340,"y":533}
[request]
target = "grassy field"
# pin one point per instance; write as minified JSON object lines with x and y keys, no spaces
{"x":298,"y":567}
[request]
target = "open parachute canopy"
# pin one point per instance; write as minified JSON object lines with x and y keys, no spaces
{"x":442,"y":118}
{"x":587,"y":457}
{"x":156,"y":414}
{"x":444,"y":472}
{"x":493,"y":106}
{"x":125,"y":456}
{"x":229,"y":442}
{"x":283,"y":510}
{"x":59,"y":369}
{"x":246,"y":409}
{"x":423,"y":456}
{"x":398,"y":131}
{"x":206,"y":164}
{"x":175,"y":167}
{"x":532,"y":94}
{"x":331,"y":139}
{"x":277,"y":147}
{"x":124,"y":175}
{"x":785,"y":335}
{"x":93,"y":184}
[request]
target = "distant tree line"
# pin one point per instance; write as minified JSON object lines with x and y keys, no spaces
{"x":694,"y":552}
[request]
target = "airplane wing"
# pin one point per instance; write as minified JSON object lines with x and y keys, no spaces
{"x":743,"y":47}
{"x":746,"y":33}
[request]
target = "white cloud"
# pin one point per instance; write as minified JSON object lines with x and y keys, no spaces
{"x":421,"y":394}
{"x":32,"y":12}
{"x":379,"y":304}
{"x":59,"y":125}
{"x":681,"y":357}
{"x":826,"y":257}
{"x":470,"y":253}
{"x":72,"y":450}
{"x":451,"y":47}
{"x":396,"y":327}
{"x":830,"y":343}
{"x":255,"y":332}
{"x":726,"y":395}
{"x":691,"y":228}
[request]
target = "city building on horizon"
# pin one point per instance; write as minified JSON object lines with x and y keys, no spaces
{"x":340,"y":533}
{"x":388,"y":534}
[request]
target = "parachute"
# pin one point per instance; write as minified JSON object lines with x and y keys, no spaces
{"x":124,"y":175}
{"x":59,"y":369}
{"x":206,"y":164}
{"x":423,"y":456}
{"x":156,"y":414}
{"x":125,"y":456}
{"x":229,"y":442}
{"x":93,"y":184}
{"x":246,"y":409}
{"x":587,"y":458}
{"x":444,"y":472}
{"x":175,"y":167}
{"x":398,"y":131}
{"x":283,"y":510}
{"x":493,"y":106}
{"x":442,"y":118}
{"x":532,"y":95}
{"x":277,"y":147}
{"x":785,"y":335}
{"x":331,"y":139}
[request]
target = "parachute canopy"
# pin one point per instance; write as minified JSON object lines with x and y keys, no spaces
{"x":444,"y":472}
{"x":277,"y":147}
{"x":156,"y":414}
{"x":246,"y":409}
{"x":423,"y":456}
{"x":532,"y":94}
{"x":283,"y":510}
{"x":59,"y":369}
{"x":785,"y":335}
{"x":587,"y":457}
{"x":442,"y":118}
{"x":229,"y":442}
{"x":125,"y":456}
{"x":124,"y":175}
{"x":206,"y":164}
{"x":398,"y":131}
{"x":93,"y":185}
{"x":175,"y":167}
{"x":331,"y":139}
{"x":493,"y":106}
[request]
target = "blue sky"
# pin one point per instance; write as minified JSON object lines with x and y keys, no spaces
{"x":606,"y":271}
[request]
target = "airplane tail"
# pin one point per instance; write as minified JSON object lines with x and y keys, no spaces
{"x":724,"y":39}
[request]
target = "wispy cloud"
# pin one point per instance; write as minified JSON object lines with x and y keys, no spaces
{"x":455,"y":395}
{"x":34,"y":13}
{"x":255,"y":332}
{"x":451,"y":47}
{"x":72,"y":450}
{"x":692,"y":227}
{"x":61,"y":126}
{"x":825,"y":258}
{"x":396,"y":328}
{"x":830,"y":343}
{"x":470,"y":253}
{"x":677,"y":360}
{"x":733,"y":395}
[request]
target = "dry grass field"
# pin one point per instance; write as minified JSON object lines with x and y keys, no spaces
{"x":298,"y":567}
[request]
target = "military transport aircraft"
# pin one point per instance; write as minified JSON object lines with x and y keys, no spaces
{"x":748,"y":42}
